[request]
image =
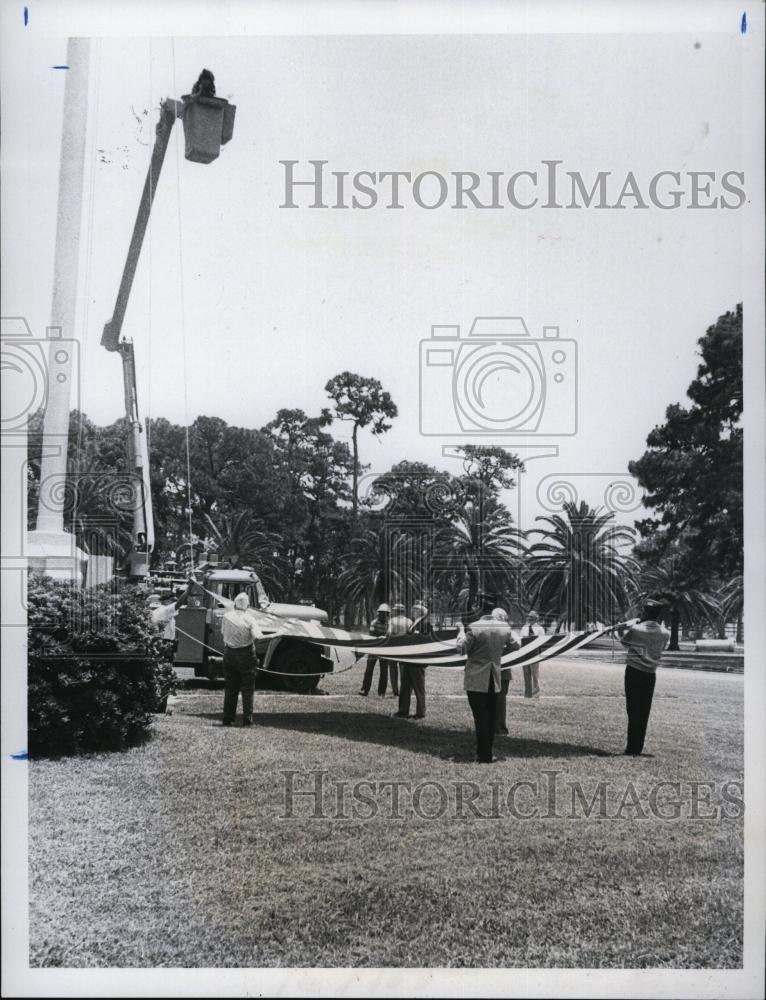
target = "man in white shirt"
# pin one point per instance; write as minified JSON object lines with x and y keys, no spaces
{"x":530,"y":630}
{"x":163,"y":612}
{"x":239,"y":632}
{"x":644,"y":641}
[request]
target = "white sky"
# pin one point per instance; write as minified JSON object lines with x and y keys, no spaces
{"x":276,"y":301}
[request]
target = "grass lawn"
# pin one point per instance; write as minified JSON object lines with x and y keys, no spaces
{"x":183,"y":852}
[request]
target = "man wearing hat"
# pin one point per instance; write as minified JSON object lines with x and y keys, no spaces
{"x":163,"y":611}
{"x":530,"y":630}
{"x":644,"y":641}
{"x":399,"y":625}
{"x":413,"y":674}
{"x":380,"y":628}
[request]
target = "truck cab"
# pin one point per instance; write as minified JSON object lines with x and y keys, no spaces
{"x":286,"y":663}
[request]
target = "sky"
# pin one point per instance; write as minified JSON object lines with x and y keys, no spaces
{"x":241,"y":307}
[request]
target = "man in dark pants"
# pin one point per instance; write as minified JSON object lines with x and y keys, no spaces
{"x":413,"y":676}
{"x":380,"y":628}
{"x":484,"y":642}
{"x":501,"y":719}
{"x":399,"y":625}
{"x":239,"y":663}
{"x":645,"y":641}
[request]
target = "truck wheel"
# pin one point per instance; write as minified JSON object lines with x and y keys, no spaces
{"x":297,"y":662}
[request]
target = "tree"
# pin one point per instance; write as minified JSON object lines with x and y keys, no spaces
{"x":576,"y":570}
{"x":490,"y":465}
{"x":479,"y":552}
{"x":692,"y":469}
{"x":670,"y":583}
{"x":731,"y":597}
{"x":364,"y":402}
{"x":241,"y":542}
{"x":377,"y":568}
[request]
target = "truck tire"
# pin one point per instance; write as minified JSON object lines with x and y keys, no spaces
{"x":298,"y":661}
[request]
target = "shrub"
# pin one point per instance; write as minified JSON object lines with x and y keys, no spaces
{"x":95,"y":667}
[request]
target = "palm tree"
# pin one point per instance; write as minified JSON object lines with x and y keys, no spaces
{"x":479,"y":552}
{"x":239,"y":541}
{"x":732,"y":598}
{"x":576,"y":570}
{"x":669,"y":582}
{"x":379,"y":567}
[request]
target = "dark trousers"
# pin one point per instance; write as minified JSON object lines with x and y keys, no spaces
{"x":484,"y":707}
{"x":386,"y":667}
{"x":239,"y":675}
{"x":639,"y":691}
{"x":390,"y":668}
{"x":413,"y":679}
{"x":501,"y":720}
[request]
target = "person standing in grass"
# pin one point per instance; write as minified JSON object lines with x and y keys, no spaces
{"x":399,"y":625}
{"x":531,"y":629}
{"x":413,"y":676}
{"x":239,"y":662}
{"x":484,"y":643}
{"x":379,"y":628}
{"x":644,"y":641}
{"x":501,"y":720}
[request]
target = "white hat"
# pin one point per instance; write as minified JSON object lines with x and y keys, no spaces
{"x":241,"y":602}
{"x":384,"y":607}
{"x":154,"y":599}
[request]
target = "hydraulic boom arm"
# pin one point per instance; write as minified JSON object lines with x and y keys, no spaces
{"x":142,"y":532}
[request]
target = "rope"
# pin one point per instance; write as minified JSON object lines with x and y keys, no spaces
{"x":183,"y":323}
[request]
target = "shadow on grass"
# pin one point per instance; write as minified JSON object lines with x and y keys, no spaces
{"x":417,"y":737}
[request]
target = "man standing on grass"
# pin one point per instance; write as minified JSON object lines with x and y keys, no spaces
{"x":239,"y":662}
{"x":532,"y":628}
{"x":484,"y":642}
{"x":645,"y":641}
{"x":379,"y":628}
{"x":399,"y":625}
{"x":501,"y":719}
{"x":413,"y":677}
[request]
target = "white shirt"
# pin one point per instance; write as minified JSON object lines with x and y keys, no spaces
{"x":239,"y":629}
{"x":165,"y":615}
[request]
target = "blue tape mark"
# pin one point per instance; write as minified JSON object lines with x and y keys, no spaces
{"x":26,"y":16}
{"x":23,"y":755}
{"x":59,"y":67}
{"x":743,"y":23}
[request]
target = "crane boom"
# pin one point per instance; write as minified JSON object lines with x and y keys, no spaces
{"x":142,"y":531}
{"x":169,"y":111}
{"x":208,"y":123}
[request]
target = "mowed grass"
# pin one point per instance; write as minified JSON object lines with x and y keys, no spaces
{"x":183,"y":853}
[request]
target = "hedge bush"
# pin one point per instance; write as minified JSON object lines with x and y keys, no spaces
{"x":96,"y":671}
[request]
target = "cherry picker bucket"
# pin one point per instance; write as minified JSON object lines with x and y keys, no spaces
{"x":208,"y":124}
